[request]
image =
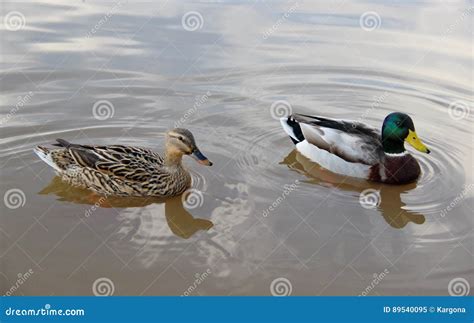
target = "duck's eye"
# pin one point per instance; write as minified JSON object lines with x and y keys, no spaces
{"x":398,"y":123}
{"x":181,"y":138}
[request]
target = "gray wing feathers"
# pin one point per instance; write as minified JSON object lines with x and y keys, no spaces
{"x":351,"y":141}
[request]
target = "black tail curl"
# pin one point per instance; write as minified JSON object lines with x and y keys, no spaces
{"x":296,"y":130}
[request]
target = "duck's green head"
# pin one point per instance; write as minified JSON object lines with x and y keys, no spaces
{"x":397,"y":128}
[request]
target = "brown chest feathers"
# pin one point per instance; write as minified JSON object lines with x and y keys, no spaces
{"x":396,"y":170}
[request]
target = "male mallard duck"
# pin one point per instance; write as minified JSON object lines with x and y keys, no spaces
{"x":126,"y":170}
{"x":355,"y":149}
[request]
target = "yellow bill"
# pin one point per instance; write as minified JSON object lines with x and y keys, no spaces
{"x":413,"y":140}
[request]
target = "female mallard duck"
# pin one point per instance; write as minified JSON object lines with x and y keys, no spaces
{"x":125,"y":170}
{"x":355,"y":149}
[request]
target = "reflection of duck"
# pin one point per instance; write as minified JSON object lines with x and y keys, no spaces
{"x":126,"y":170}
{"x":180,"y":221}
{"x":355,"y":149}
{"x":391,"y":205}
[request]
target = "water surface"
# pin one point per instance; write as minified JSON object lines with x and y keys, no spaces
{"x":263,"y":212}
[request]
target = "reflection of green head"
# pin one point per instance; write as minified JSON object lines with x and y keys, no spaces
{"x":396,"y":129}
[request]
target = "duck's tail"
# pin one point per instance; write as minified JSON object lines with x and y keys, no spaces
{"x":292,"y":128}
{"x":62,"y":143}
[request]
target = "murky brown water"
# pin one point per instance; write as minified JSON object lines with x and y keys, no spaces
{"x":265,"y":212}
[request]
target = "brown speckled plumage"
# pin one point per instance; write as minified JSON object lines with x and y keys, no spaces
{"x":123,"y":170}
